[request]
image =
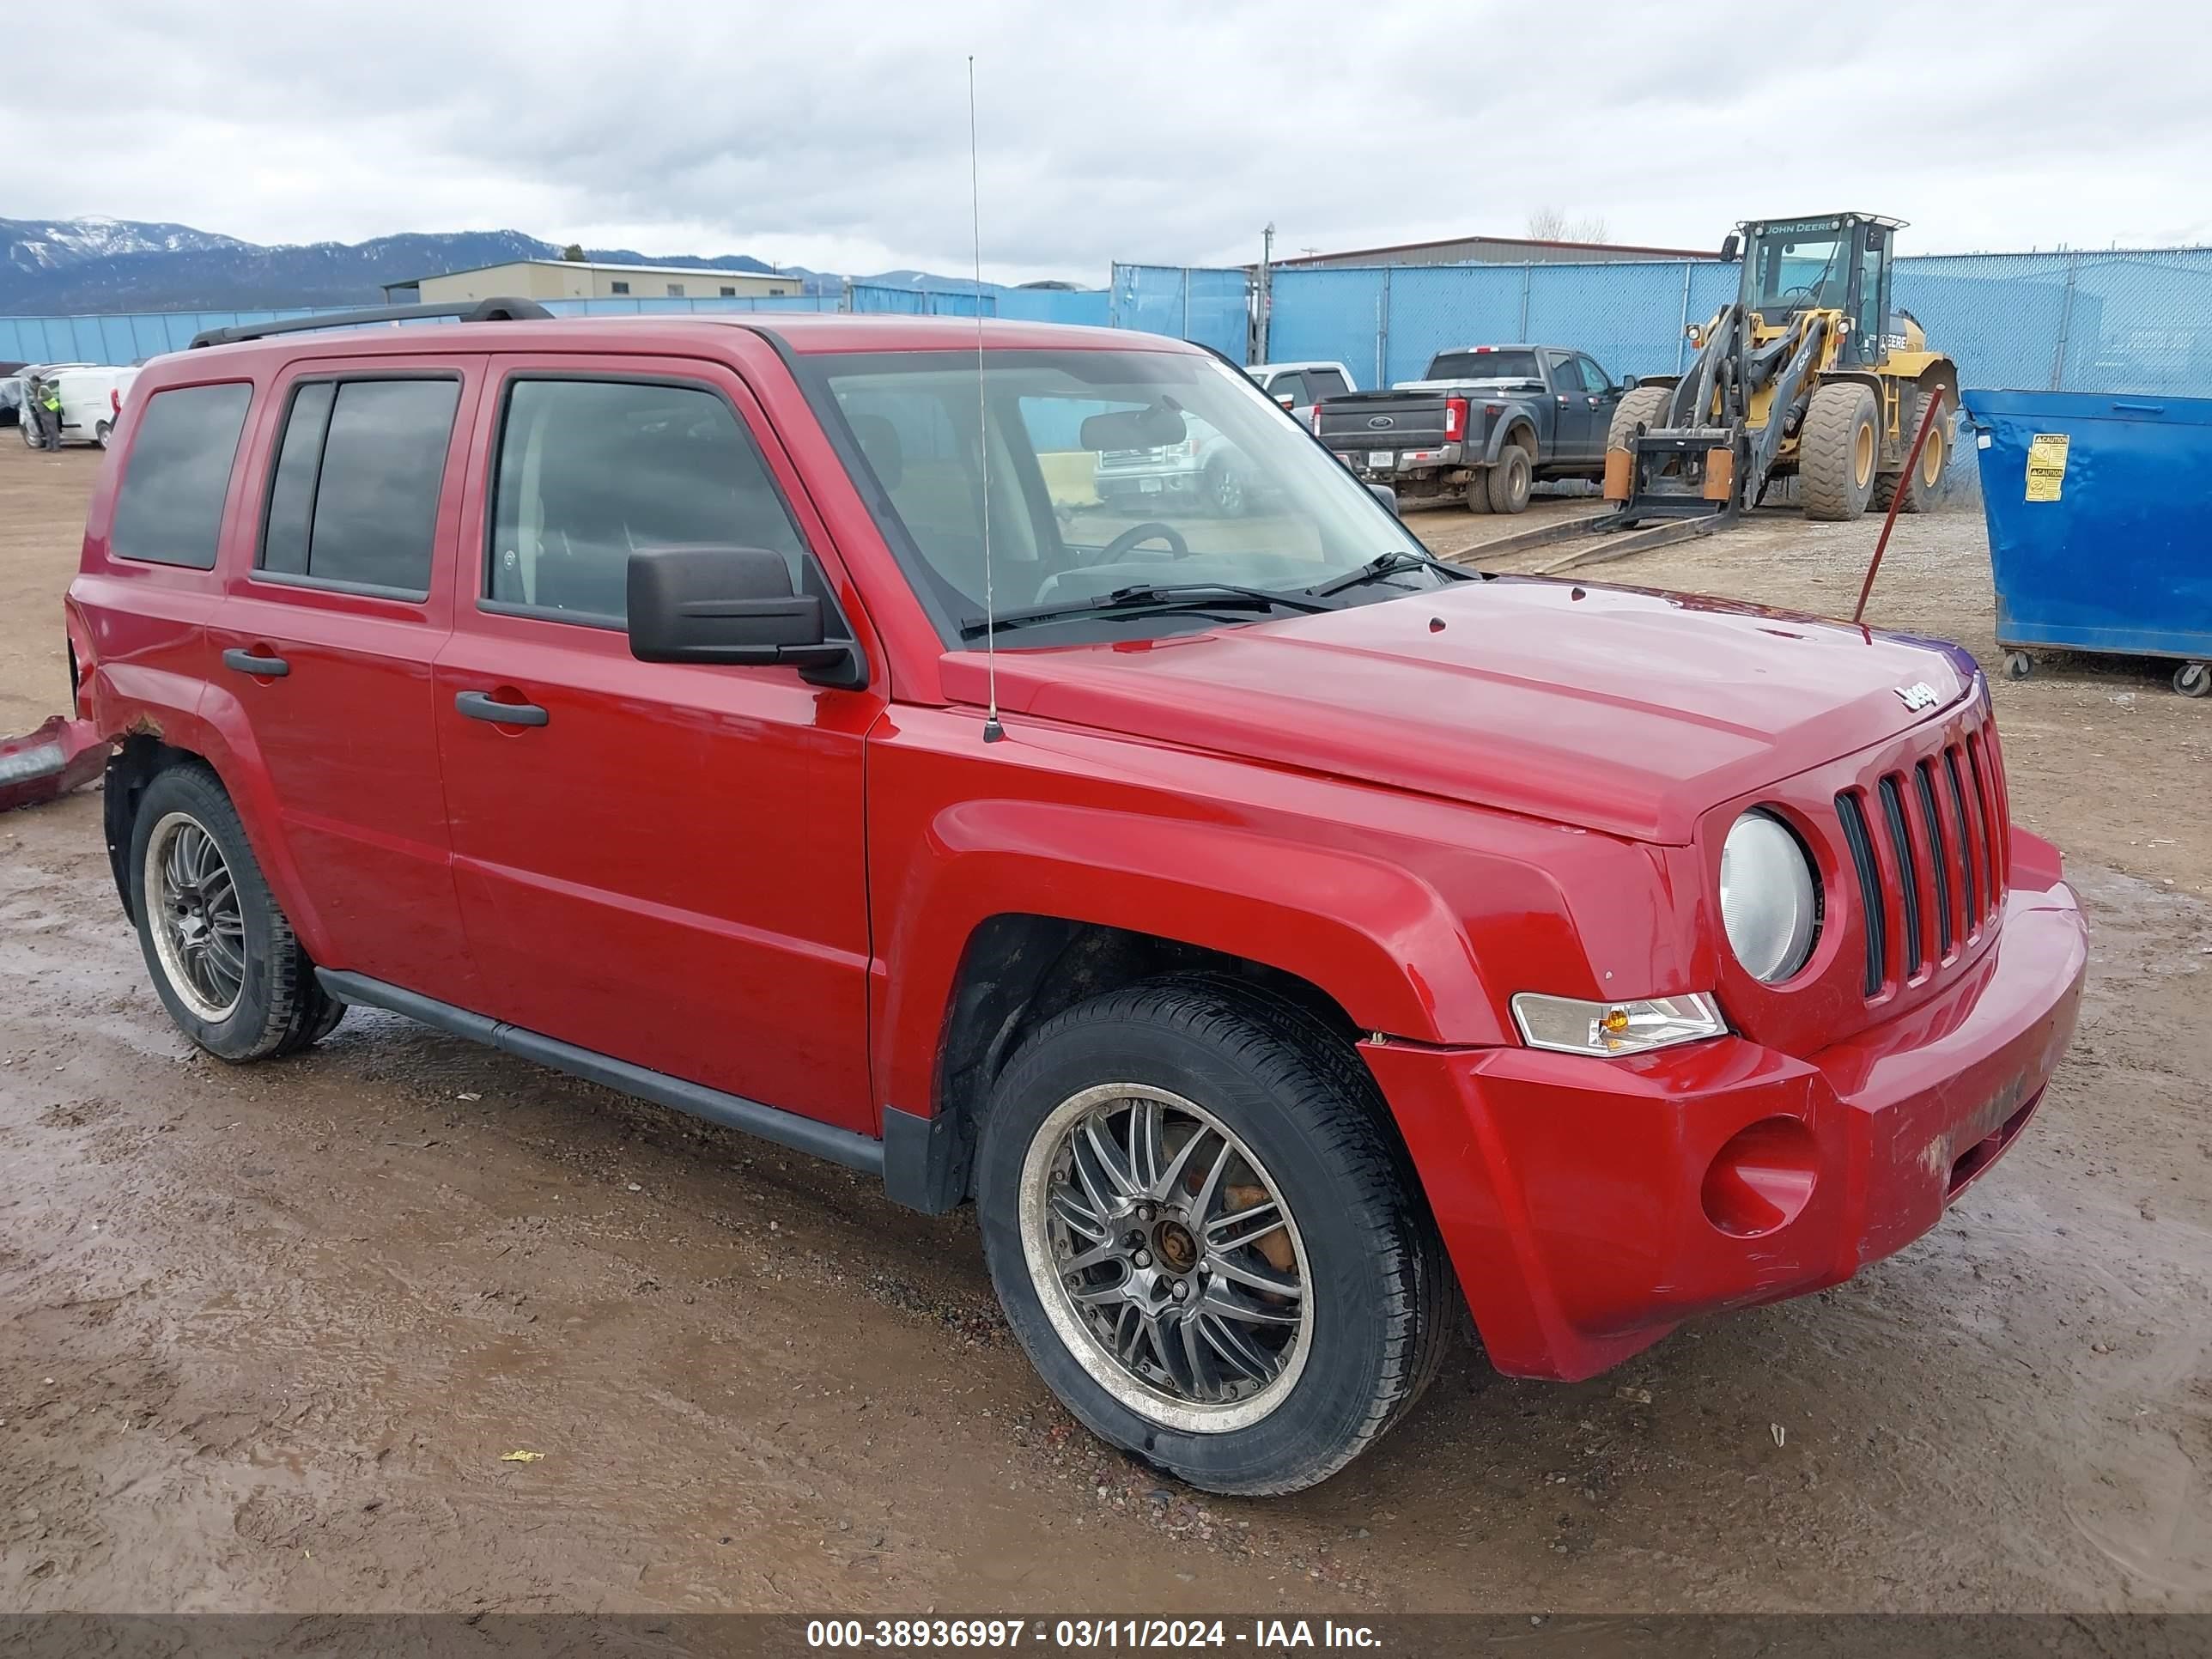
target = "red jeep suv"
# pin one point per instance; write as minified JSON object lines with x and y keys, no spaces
{"x":1275,"y":932}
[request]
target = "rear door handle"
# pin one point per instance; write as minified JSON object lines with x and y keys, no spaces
{"x":268,"y":668}
{"x":479,"y":705}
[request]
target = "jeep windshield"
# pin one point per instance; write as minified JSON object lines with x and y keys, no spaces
{"x":1161,"y":476}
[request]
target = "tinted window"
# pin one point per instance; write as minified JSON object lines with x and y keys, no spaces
{"x":1292,"y":386}
{"x":292,"y":490}
{"x":1484,"y":366}
{"x":369,"y":512}
{"x":1326,"y":383}
{"x":590,"y":470}
{"x":169,"y":510}
{"x":1594,"y":377}
{"x":1566,"y":375}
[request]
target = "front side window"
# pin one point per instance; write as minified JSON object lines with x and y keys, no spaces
{"x":353,"y":501}
{"x":589,"y":472}
{"x":169,"y":508}
{"x":1105,"y":471}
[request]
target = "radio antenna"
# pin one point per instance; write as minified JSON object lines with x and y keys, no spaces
{"x":992,"y":730}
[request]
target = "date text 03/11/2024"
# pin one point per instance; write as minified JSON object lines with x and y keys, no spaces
{"x":1264,"y":1634}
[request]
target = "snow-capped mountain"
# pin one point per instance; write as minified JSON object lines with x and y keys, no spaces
{"x":49,"y":245}
{"x":59,"y":267}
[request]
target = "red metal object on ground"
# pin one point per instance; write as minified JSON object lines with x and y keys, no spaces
{"x":61,"y":755}
{"x":786,"y":899}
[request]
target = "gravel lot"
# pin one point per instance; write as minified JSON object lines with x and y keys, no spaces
{"x":266,"y":1334}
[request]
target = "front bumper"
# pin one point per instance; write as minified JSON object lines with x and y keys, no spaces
{"x":1591,"y":1205}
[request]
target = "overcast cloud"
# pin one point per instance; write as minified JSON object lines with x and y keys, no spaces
{"x":834,"y":136}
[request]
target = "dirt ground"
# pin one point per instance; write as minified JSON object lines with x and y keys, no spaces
{"x":267,"y":1334}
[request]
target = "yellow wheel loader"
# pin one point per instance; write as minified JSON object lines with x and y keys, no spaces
{"x":1806,"y":373}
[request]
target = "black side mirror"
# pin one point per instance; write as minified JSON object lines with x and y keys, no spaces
{"x":732,"y":605}
{"x":1731,"y":248}
{"x":1384,"y":494}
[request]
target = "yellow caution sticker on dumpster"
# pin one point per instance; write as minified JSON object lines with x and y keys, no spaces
{"x":2046,"y":465}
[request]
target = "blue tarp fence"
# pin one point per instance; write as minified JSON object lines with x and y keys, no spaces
{"x":2134,"y":321}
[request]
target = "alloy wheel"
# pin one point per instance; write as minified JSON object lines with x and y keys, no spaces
{"x":1165,"y":1257}
{"x":197,"y":923}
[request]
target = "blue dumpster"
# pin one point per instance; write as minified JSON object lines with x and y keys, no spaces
{"x":2099,"y":512}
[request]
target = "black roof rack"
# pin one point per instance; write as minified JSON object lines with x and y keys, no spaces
{"x":466,"y":311}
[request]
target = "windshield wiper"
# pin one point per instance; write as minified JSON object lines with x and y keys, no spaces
{"x":1155,"y":597}
{"x":1390,"y":564}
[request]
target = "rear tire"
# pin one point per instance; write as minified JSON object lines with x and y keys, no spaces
{"x":99,"y":435}
{"x":1511,"y":474}
{"x":1837,"y":450}
{"x":1336,"y":1358}
{"x":1926,"y":487}
{"x":221,"y":953}
{"x":1478,"y":491}
{"x":1643,"y":405}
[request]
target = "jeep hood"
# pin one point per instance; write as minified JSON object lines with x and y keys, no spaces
{"x":1612,"y":708}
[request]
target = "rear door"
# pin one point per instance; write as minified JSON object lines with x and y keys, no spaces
{"x":1570,"y":437}
{"x":327,"y":642}
{"x":1604,"y":399}
{"x":662,"y":862}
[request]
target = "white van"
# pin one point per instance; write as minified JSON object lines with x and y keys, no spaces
{"x":92,"y":402}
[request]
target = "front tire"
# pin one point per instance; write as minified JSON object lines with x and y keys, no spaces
{"x":223,"y":957}
{"x":1203,"y":1238}
{"x":1643,"y":406}
{"x":1225,"y":488}
{"x":1837,"y":450}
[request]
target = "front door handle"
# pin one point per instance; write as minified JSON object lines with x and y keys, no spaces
{"x":267,"y":668}
{"x":479,"y":705}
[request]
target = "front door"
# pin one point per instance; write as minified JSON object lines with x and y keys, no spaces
{"x":662,"y":862}
{"x":327,"y":642}
{"x":1604,"y":398}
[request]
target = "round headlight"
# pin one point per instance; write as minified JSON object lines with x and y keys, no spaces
{"x":1770,"y":896}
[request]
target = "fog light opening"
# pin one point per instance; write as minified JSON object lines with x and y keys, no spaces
{"x":1762,"y":1179}
{"x":1984,"y":1152}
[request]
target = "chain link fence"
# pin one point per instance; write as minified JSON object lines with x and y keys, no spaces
{"x":133,"y":337}
{"x":2136,"y":322}
{"x":1212,"y":307}
{"x":2132,"y":322}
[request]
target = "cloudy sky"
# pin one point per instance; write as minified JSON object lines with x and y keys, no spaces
{"x":834,"y":135}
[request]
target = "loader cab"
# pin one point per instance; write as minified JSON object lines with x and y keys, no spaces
{"x":1836,"y":262}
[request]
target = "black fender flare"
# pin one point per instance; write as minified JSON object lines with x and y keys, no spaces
{"x":1515,"y":417}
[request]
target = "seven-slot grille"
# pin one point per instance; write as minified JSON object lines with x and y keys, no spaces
{"x":1928,"y":841}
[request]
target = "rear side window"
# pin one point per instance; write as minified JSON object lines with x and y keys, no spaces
{"x":354,"y":498}
{"x":590,"y":471}
{"x":169,"y":507}
{"x":1325,"y":383}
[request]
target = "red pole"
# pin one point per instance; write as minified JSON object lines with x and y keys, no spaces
{"x":1897,"y":500}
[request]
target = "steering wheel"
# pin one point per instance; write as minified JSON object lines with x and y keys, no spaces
{"x":1790,"y":295}
{"x":1151,"y":530}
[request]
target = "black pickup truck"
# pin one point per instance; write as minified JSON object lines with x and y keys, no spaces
{"x":1483,"y":424}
